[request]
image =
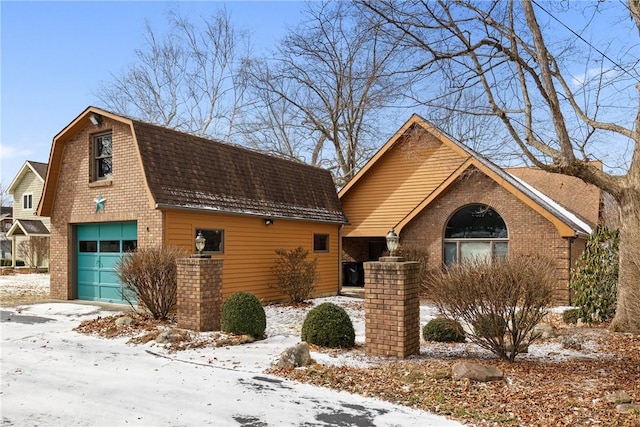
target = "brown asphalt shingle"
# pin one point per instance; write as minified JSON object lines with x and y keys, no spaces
{"x":40,"y":168}
{"x":187,"y":171}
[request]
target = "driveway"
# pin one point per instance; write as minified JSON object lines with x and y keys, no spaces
{"x":54,"y":376}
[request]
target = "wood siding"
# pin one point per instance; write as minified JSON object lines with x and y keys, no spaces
{"x":249,"y":249}
{"x":396,"y":184}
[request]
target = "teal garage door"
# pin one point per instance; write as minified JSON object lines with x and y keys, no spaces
{"x":99,"y":246}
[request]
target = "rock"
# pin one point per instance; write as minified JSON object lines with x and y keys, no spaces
{"x":618,"y":397}
{"x":633,"y":408}
{"x":476,"y":372}
{"x":295,"y":357}
{"x":168,"y":337}
{"x":124,"y":321}
{"x":544,"y":331}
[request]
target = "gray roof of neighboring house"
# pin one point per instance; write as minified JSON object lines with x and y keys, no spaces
{"x":28,"y":227}
{"x":40,"y":168}
{"x":188,"y":171}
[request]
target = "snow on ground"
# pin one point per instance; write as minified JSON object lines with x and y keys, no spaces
{"x":54,"y":376}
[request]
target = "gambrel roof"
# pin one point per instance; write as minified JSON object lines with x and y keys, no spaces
{"x":190,"y":172}
{"x":421,"y":163}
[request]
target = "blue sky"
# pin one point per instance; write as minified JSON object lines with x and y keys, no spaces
{"x":54,"y":54}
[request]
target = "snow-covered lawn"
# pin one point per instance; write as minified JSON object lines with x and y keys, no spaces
{"x":54,"y":376}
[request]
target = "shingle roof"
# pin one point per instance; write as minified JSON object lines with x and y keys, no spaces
{"x":40,"y":168}
{"x":187,"y":171}
{"x":28,"y":227}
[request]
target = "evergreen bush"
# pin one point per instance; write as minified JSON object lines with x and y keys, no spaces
{"x":595,"y":278}
{"x":571,"y":316}
{"x":243,"y":314}
{"x":441,"y":329}
{"x":328,"y":325}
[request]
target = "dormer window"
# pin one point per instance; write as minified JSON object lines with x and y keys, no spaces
{"x":102,"y":156}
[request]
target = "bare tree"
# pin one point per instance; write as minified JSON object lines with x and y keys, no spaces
{"x":330,"y":79}
{"x":34,"y":251}
{"x":562,"y":102}
{"x":5,"y":198}
{"x":188,"y":79}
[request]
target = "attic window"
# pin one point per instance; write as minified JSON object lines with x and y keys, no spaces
{"x":102,"y":156}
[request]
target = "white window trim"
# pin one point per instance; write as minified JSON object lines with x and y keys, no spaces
{"x":24,"y":199}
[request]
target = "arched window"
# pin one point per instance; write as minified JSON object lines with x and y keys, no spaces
{"x":475,"y":231}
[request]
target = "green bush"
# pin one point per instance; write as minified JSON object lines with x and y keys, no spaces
{"x":328,"y":325}
{"x":571,"y":316}
{"x":443,"y":330}
{"x":595,"y":278}
{"x":243,"y":314}
{"x":502,"y":299}
{"x":149,"y":279}
{"x":296,"y":275}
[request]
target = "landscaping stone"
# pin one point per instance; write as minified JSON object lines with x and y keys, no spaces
{"x":618,"y":397}
{"x":476,"y":372}
{"x":628,"y":407}
{"x":295,"y":357}
{"x":168,"y":337}
{"x":544,"y":331}
{"x":124,"y":321}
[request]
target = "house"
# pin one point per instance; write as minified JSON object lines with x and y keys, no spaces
{"x":447,"y":200}
{"x":115,"y":183}
{"x":6,"y":220}
{"x":29,"y":232}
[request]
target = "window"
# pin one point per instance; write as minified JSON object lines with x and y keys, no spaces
{"x":214,"y":240}
{"x":320,"y":243}
{"x":475,"y":231}
{"x":27,"y":202}
{"x":102,"y":160}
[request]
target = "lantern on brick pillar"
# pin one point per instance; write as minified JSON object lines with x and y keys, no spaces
{"x":392,"y":242}
{"x":200,"y":242}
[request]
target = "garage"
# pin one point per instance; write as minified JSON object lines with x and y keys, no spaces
{"x":99,"y":246}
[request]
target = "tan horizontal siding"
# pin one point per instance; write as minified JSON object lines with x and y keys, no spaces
{"x":395,"y":185}
{"x":249,"y":249}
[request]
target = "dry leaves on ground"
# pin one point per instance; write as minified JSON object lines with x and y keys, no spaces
{"x":534,"y":393}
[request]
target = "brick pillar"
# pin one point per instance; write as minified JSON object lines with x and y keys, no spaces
{"x":199,"y":293}
{"x":392,"y":308}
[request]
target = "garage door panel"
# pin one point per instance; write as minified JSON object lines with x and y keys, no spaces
{"x":99,"y":247}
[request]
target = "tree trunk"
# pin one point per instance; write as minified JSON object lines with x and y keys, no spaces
{"x":627,"y":318}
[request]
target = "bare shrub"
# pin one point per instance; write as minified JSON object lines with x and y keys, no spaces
{"x":34,"y":251}
{"x":296,"y":275}
{"x":417,"y":254}
{"x":149,"y":279}
{"x":501,"y":300}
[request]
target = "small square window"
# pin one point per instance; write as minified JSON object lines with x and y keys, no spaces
{"x":102,"y":156}
{"x":27,"y":201}
{"x":214,"y":243}
{"x":321,"y":243}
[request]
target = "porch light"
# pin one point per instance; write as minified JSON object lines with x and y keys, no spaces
{"x":95,"y":119}
{"x":200,"y":241}
{"x":392,"y":242}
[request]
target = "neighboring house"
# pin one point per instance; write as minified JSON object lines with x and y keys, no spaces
{"x":6,"y":219}
{"x":116,"y":183}
{"x":26,"y":189}
{"x":442,"y":197}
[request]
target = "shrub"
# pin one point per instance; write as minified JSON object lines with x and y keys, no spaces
{"x":441,"y":329}
{"x":595,"y":278}
{"x":503,"y":299}
{"x":571,"y":316}
{"x":296,"y":275}
{"x":489,"y":325}
{"x":328,"y":325}
{"x":243,"y":314}
{"x":148,"y":278}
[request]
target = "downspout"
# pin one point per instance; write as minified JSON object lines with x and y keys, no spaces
{"x":340,"y":268}
{"x":571,"y":240}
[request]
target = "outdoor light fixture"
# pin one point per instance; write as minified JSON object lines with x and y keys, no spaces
{"x":392,"y":242}
{"x":200,"y":241}
{"x":268,"y":222}
{"x":95,"y":119}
